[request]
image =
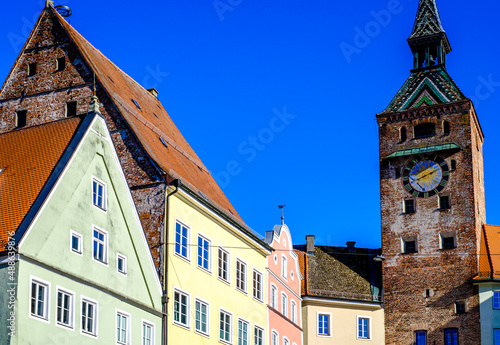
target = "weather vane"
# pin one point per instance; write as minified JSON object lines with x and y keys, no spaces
{"x":282,"y":207}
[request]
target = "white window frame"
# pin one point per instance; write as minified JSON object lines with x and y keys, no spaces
{"x":275,"y":336}
{"x":71,"y":310}
{"x":286,"y":341}
{"x":226,"y":313}
{"x":273,"y":296}
{"x":241,"y":341}
{"x":79,"y":251}
{"x":96,"y":181}
{"x":293,"y":311}
{"x":284,"y":266}
{"x":329,"y":315}
{"x":257,"y":290}
{"x":284,"y":304}
{"x":95,"y":323}
{"x":241,"y":277}
{"x":188,"y":308}
{"x":228,"y":265}
{"x":181,"y":244}
{"x":261,"y":337}
{"x":208,"y":259}
{"x":124,"y":258}
{"x":46,"y":300}
{"x":369,"y":328}
{"x":151,"y":325}
{"x":122,"y":314}
{"x":207,"y":304}
{"x":105,"y":245}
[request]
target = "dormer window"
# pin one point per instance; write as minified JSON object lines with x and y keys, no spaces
{"x":424,"y":130}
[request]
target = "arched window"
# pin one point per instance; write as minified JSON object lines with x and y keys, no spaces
{"x":402,"y":134}
{"x":424,"y":130}
{"x":446,"y":128}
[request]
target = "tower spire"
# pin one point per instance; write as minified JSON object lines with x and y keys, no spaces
{"x":428,"y":40}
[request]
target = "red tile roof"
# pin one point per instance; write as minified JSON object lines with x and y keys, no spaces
{"x":303,"y":270}
{"x":28,"y":157}
{"x":151,"y":122}
{"x":489,"y":258}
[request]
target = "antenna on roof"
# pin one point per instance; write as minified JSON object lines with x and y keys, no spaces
{"x":64,"y":11}
{"x":282,"y":213}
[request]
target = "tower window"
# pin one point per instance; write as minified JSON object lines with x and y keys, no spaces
{"x":460,"y":307}
{"x":453,"y":165}
{"x":409,"y":206}
{"x":71,"y":108}
{"x":31,"y":69}
{"x":444,"y":202}
{"x":446,"y":128}
{"x":397,"y":172}
{"x":424,"y":130}
{"x":60,"y":64}
{"x":21,"y":118}
{"x":409,"y":244}
{"x":402,"y":134}
{"x":448,"y":240}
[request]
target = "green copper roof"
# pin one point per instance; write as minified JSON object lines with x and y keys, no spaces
{"x":427,"y":22}
{"x":427,"y":149}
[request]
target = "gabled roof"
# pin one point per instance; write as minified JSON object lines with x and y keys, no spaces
{"x":28,"y":157}
{"x":340,"y":273}
{"x":427,"y":22}
{"x":489,"y":258}
{"x":424,"y":88}
{"x":151,"y":124}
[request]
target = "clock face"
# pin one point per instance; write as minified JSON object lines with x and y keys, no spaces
{"x":425,"y":176}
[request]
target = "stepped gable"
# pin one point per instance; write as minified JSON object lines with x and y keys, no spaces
{"x":426,"y":87}
{"x":489,"y":259}
{"x":27,"y":158}
{"x":151,"y":124}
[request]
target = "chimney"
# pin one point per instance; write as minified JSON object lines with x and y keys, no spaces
{"x":154,"y":92}
{"x":310,"y":244}
{"x":350,"y":246}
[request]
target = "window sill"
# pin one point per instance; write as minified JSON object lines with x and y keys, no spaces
{"x":182,"y":257}
{"x":204,"y":270}
{"x":409,"y":253}
{"x":202,"y":334}
{"x":242,"y":291}
{"x":187,"y":327}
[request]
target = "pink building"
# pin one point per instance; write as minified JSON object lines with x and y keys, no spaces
{"x":284,"y":279}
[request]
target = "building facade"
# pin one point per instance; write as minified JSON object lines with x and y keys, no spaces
{"x":432,"y":198}
{"x":284,"y":280}
{"x":75,"y":264}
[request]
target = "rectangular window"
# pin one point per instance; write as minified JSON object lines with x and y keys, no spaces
{"x":323,"y":324}
{"x":31,"y":69}
{"x":60,"y":64}
{"x":223,"y":265}
{"x":258,"y":335}
{"x":409,"y":244}
{"x":76,"y":242}
{"x":181,"y":308}
{"x":225,"y":326}
{"x":242,"y":332}
{"x":147,"y":334}
{"x":274,"y":297}
{"x":241,"y":276}
{"x":460,"y":307}
{"x":21,"y":116}
{"x":65,"y":308}
{"x":100,"y":247}
{"x":496,"y":337}
{"x":98,"y":194}
{"x":201,"y":317}
{"x":496,"y":299}
{"x":274,"y":338}
{"x":451,"y":336}
{"x":283,"y":266}
{"x":122,"y":328}
{"x":71,"y":108}
{"x":39,"y":299}
{"x":121,"y":263}
{"x":444,"y":202}
{"x":421,"y":338}
{"x":284,"y":304}
{"x":89,"y":317}
{"x":409,"y":206}
{"x":293,"y":311}
{"x":257,"y":285}
{"x":448,"y":242}
{"x":203,"y":253}
{"x":181,"y":240}
{"x":363,"y":328}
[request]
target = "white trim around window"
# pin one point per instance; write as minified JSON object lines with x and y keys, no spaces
{"x":76,"y":246}
{"x":284,"y":266}
{"x":182,"y":234}
{"x":147,"y":333}
{"x":322,"y":329}
{"x":257,"y":285}
{"x":123,"y":329}
{"x":273,"y":296}
{"x":286,"y":341}
{"x":39,"y":306}
{"x":121,"y":264}
{"x":98,"y":192}
{"x":259,"y":335}
{"x":181,"y":308}
{"x":293,"y":311}
{"x":363,"y":327}
{"x":226,"y":321}
{"x":65,"y":308}
{"x":204,"y":253}
{"x":89,"y":317}
{"x":201,"y":316}
{"x":243,"y":333}
{"x":284,"y":304}
{"x":224,"y":265}
{"x":275,"y":337}
{"x":241,"y":275}
{"x":100,"y":245}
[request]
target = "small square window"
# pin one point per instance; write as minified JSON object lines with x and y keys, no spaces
{"x":121,"y":264}
{"x":409,"y":245}
{"x":76,"y":242}
{"x":409,"y":206}
{"x":21,"y":116}
{"x":460,"y":307}
{"x":444,"y":202}
{"x":98,"y":194}
{"x":71,"y":108}
{"x":31,"y":69}
{"x":60,"y":64}
{"x":448,"y":243}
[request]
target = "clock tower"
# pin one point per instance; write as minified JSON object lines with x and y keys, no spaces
{"x":432,"y":198}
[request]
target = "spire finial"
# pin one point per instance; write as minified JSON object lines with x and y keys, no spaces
{"x":49,"y":4}
{"x":94,"y":104}
{"x":282,"y":207}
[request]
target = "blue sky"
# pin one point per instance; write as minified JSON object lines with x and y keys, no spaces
{"x":278,"y":98}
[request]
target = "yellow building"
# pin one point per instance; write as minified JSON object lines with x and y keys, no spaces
{"x":216,"y":274}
